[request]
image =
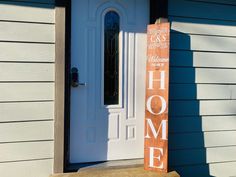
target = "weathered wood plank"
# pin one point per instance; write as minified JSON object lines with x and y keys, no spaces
{"x":42,"y":168}
{"x":208,"y":108}
{"x":28,"y":32}
{"x":26,"y":131}
{"x":26,"y":111}
{"x":202,"y":139}
{"x":26,"y":91}
{"x":204,"y":123}
{"x":202,"y":75}
{"x":200,"y":156}
{"x":202,"y":43}
{"x":26,"y":72}
{"x":27,"y":12}
{"x":26,"y":151}
{"x":202,"y":59}
{"x":25,"y":52}
{"x":191,"y":9}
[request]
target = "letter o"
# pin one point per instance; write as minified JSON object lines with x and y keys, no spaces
{"x":163,"y":105}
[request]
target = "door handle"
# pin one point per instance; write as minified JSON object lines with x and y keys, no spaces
{"x":75,"y":78}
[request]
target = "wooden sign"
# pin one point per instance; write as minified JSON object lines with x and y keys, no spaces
{"x":157,"y":87}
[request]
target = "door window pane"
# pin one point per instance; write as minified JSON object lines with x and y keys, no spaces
{"x":111,"y":58}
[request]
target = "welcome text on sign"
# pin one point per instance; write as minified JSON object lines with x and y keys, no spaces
{"x":157,"y":88}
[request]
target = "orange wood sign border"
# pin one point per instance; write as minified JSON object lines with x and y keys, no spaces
{"x":157,"y":91}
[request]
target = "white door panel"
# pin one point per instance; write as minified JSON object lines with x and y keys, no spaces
{"x":101,"y":132}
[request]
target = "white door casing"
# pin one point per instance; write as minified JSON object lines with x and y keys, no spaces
{"x":101,"y":132}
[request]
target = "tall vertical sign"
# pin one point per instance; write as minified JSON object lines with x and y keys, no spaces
{"x":157,"y":88}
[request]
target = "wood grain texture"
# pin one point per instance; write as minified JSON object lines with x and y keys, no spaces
{"x":26,"y":91}
{"x":157,"y":86}
{"x":27,"y":32}
{"x":26,"y":72}
{"x":26,"y":111}
{"x":27,"y":12}
{"x":26,"y":131}
{"x":27,"y":52}
{"x":41,"y":168}
{"x":26,"y":151}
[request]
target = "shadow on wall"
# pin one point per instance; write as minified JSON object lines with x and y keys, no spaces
{"x":186,"y":138}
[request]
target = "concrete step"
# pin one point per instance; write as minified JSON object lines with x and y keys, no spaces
{"x":116,"y":172}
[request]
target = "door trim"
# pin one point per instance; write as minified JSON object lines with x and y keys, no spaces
{"x":158,"y":8}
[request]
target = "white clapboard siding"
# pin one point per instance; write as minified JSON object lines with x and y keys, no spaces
{"x":191,"y":9}
{"x":202,"y":121}
{"x":205,"y":170}
{"x":224,"y":107}
{"x":26,"y":111}
{"x":27,"y":12}
{"x":202,"y":75}
{"x":26,"y":72}
{"x":208,"y":155}
{"x":193,"y":26}
{"x":37,"y":168}
{"x":208,"y":108}
{"x":27,"y":52}
{"x":202,"y":139}
{"x":26,"y":131}
{"x":223,"y":169}
{"x":26,"y":91}
{"x":202,"y":91}
{"x":202,"y":43}
{"x":29,"y":32}
{"x":26,"y":151}
{"x":202,"y":59}
{"x":201,"y":124}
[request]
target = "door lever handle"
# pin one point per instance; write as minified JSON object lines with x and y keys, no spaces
{"x":75,"y":78}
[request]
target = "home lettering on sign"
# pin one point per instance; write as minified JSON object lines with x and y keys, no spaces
{"x":157,"y":91}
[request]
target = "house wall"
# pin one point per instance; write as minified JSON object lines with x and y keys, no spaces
{"x":202,"y":87}
{"x":27,"y":55}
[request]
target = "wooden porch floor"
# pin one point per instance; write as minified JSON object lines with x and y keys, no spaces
{"x":116,"y":172}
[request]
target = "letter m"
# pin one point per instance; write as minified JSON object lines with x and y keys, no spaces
{"x":162,"y":126}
